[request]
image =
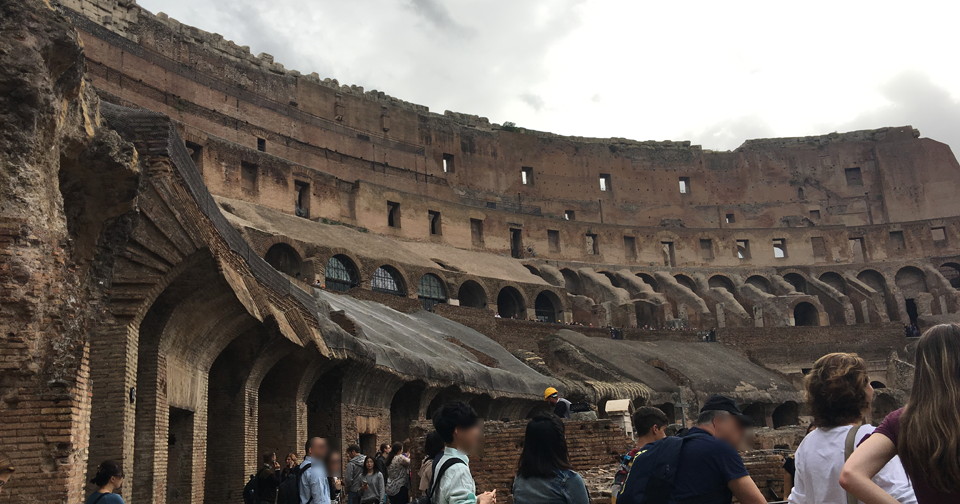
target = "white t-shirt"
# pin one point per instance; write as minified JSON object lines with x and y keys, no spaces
{"x":820,"y":459}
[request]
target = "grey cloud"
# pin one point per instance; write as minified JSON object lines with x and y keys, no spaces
{"x":535,"y":101}
{"x":438,"y":15}
{"x":730,"y":134}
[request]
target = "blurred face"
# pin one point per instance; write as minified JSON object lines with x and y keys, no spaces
{"x":553,"y":400}
{"x":318,"y":449}
{"x":291,"y":460}
{"x":468,"y":439}
{"x":117,"y":481}
{"x":729,"y":429}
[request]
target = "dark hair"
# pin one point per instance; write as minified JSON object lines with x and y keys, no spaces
{"x":544,"y":448}
{"x":837,"y":389}
{"x":433,"y":446}
{"x":451,"y":416}
{"x":372,"y":470}
{"x":353,"y":448}
{"x":395,"y":450}
{"x":384,"y":447}
{"x":267,"y":457}
{"x":106,"y":470}
{"x":646,"y":418}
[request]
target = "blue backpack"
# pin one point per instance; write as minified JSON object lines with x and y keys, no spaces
{"x":654,"y":469}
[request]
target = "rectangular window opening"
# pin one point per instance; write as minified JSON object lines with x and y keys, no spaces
{"x":743,"y":249}
{"x":448,"y":166}
{"x":853,"y":176}
{"x":262,"y":144}
{"x":435,"y":223}
{"x":814,"y":215}
{"x":819,"y":247}
{"x":857,"y":251}
{"x":779,"y":248}
{"x":730,"y":218}
{"x":569,"y":215}
{"x":301,"y":198}
{"x":684,"y":185}
{"x":939,"y":235}
{"x":553,"y":241}
{"x":706,"y":249}
{"x":248,"y":176}
{"x":897,"y":242}
{"x":593,"y":245}
{"x":669,"y":253}
{"x":476,"y":232}
{"x":526,"y":175}
{"x":393,"y":214}
{"x":516,"y":243}
{"x":630,"y":247}
{"x":606,"y":184}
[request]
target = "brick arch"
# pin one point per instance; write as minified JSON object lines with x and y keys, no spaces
{"x":408,"y":287}
{"x":479,"y":283}
{"x":326,"y":253}
{"x":262,"y":246}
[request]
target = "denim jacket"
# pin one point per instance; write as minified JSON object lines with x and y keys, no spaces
{"x":566,"y":487}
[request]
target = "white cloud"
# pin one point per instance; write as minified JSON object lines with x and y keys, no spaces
{"x":713,"y":72}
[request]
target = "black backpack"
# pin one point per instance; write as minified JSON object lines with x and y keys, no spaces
{"x":289,"y":490}
{"x":447,"y":464}
{"x":654,"y":469}
{"x":250,"y":490}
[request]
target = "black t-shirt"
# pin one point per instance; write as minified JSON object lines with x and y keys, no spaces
{"x":706,"y":465}
{"x":562,"y":409}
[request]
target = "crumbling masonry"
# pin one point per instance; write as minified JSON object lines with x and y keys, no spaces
{"x":206,"y":256}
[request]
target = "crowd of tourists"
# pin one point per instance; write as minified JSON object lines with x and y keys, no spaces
{"x":913,"y":457}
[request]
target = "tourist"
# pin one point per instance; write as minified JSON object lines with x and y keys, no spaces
{"x":268,"y":480}
{"x":314,"y":488}
{"x":461,"y":430}
{"x":650,"y":424}
{"x":925,"y":433}
{"x":6,"y":470}
{"x":544,"y":474}
{"x":432,"y":449}
{"x":290,"y":466}
{"x":839,"y":396}
{"x":398,"y":475}
{"x":334,"y":466}
{"x":371,"y":485}
{"x":108,"y":479}
{"x":381,"y":459}
{"x":561,"y":406}
{"x":353,"y":476}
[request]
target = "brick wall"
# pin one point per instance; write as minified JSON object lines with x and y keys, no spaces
{"x":591,"y":444}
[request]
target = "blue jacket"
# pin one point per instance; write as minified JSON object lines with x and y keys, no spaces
{"x":567,"y":487}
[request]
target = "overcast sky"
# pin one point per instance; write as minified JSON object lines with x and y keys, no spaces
{"x":712,"y":72}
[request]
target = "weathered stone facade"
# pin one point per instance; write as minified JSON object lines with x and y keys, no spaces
{"x":207,"y":257}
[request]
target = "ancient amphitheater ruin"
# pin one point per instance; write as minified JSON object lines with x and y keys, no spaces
{"x":207,"y":256}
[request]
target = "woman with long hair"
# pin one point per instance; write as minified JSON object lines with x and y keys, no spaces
{"x":544,"y":473}
{"x":925,"y":433}
{"x":432,"y":448}
{"x":109,"y":478}
{"x":371,"y":487}
{"x":398,"y":475}
{"x":839,"y":395}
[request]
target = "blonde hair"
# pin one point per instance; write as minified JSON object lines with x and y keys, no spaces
{"x":929,"y":438}
{"x":837,"y":389}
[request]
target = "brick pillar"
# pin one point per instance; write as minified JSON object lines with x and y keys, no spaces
{"x":113,"y":371}
{"x":152,"y":428}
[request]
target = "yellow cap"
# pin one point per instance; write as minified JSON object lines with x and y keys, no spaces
{"x":549,"y":392}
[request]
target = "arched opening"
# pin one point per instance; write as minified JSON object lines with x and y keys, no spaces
{"x":341,"y":274}
{"x":571,"y":281}
{"x":533,"y":269}
{"x":405,"y":409}
{"x":883,"y":405}
{"x":686,"y":281}
{"x":277,"y":407}
{"x":387,"y":279}
{"x":548,"y":307}
{"x":834,"y":280}
{"x":721,"y":282}
{"x":757,"y":413}
{"x":432,"y":291}
{"x":877,"y":385}
{"x":805,"y":314}
{"x":471,"y":294}
{"x":760,"y":283}
{"x":444,"y":396}
{"x":797,"y":281}
{"x":876,"y":281}
{"x":951,"y":271}
{"x":786,"y":414}
{"x":510,"y":303}
{"x":285,"y":259}
{"x":482,"y":404}
{"x":911,"y":281}
{"x":669,"y":410}
{"x":324,"y":407}
{"x":649,"y":280}
{"x":614,"y":281}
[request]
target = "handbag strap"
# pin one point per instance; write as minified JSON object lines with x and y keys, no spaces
{"x":848,"y":447}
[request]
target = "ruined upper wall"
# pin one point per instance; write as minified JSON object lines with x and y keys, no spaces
{"x":220,"y":91}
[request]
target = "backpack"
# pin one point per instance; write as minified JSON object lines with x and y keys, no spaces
{"x":289,"y":490}
{"x":250,"y":490}
{"x":652,"y":474}
{"x":428,"y":499}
